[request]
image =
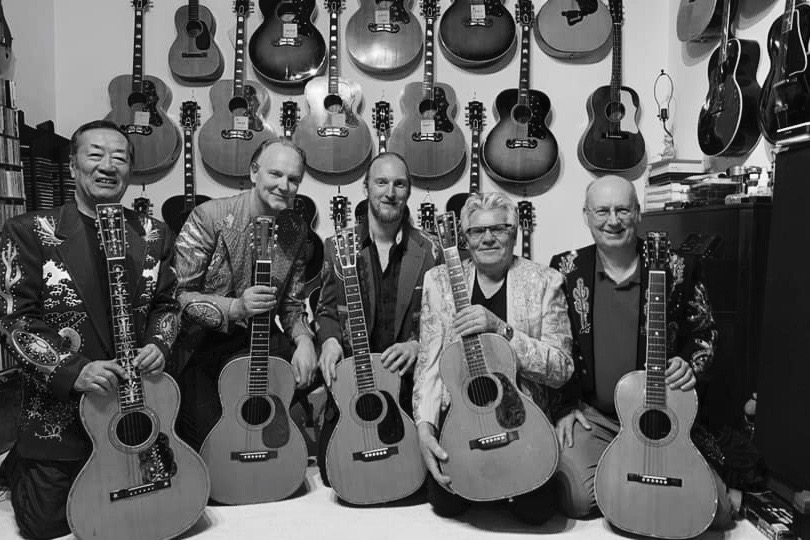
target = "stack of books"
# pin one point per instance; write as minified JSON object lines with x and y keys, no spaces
{"x":669,"y":181}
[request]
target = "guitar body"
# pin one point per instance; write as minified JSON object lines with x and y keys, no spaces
{"x":194,"y":55}
{"x":727,"y":123}
{"x":174,"y":211}
{"x":474,"y":45}
{"x":384,"y":48}
{"x":334,"y":136}
{"x":255,"y":453}
{"x":520,"y":148}
{"x":158,"y":144}
{"x":312,"y":270}
{"x":428,"y":159}
{"x":368,"y":423}
{"x":646,"y":447}
{"x":601,"y":150}
{"x":522,"y":463}
{"x":573,"y":29}
{"x":231,"y":156}
{"x":785,"y":100}
{"x":699,"y":20}
{"x":287,"y":60}
{"x":113,"y":466}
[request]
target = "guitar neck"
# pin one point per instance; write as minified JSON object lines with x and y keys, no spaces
{"x":361,"y":350}
{"x":137,"y":51}
{"x":787,"y":25}
{"x":260,"y":325}
{"x":189,"y":189}
{"x":526,"y":248}
{"x":382,"y":139}
{"x":475,"y":161}
{"x":525,"y":62}
{"x":616,"y":70}
{"x":334,"y":51}
{"x":428,"y":81}
{"x":726,"y":33}
{"x":193,"y":10}
{"x":655,"y":395}
{"x":239,"y":57}
{"x":130,"y":390}
{"x":473,"y":351}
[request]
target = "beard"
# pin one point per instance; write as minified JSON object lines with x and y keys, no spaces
{"x":386,"y":213}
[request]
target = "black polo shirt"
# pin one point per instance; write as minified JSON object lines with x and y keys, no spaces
{"x":386,"y":283}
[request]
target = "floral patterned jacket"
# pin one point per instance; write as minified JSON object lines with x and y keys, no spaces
{"x":55,"y":317}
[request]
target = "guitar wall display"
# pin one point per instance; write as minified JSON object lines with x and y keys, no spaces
{"x":613,"y":141}
{"x":194,"y":56}
{"x":727,"y":122}
{"x":384,"y":37}
{"x":428,"y":137}
{"x":573,"y":29}
{"x":382,"y":117}
{"x":475,"y":120}
{"x":139,"y":104}
{"x":476,"y":33}
{"x":526,"y":222}
{"x":784,"y":103}
{"x":286,"y":48}
{"x":521,"y":148}
{"x":237,"y":128}
{"x":700,"y":20}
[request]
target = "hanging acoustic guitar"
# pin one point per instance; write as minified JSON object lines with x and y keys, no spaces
{"x":573,"y":29}
{"x":194,"y":55}
{"x":476,"y":33}
{"x":700,"y":20}
{"x":383,"y":36}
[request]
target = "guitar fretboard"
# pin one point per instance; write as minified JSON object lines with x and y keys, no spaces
{"x":655,"y":395}
{"x":475,"y":160}
{"x":193,"y":10}
{"x":137,"y":52}
{"x":526,"y":248}
{"x":260,"y":325}
{"x":616,"y":70}
{"x":473,"y":352}
{"x":130,"y":390}
{"x":787,"y":25}
{"x":334,"y":57}
{"x":525,"y":62}
{"x":358,"y":331}
{"x":239,"y":57}
{"x":726,"y":33}
{"x":428,"y":81}
{"x":189,"y":190}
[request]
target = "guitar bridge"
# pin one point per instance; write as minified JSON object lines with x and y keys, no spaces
{"x":126,"y":493}
{"x":194,"y":55}
{"x":486,"y":23}
{"x":390,"y":28}
{"x":288,"y":42}
{"x":494,"y":441}
{"x":378,"y":454}
{"x":333,"y":132}
{"x":427,"y":137}
{"x":244,"y":134}
{"x":521,"y":143}
{"x":250,"y":457}
{"x":654,"y":480}
{"x":134,"y":129}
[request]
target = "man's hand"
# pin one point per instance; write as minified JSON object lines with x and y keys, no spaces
{"x":255,"y":300}
{"x":475,"y":319}
{"x":304,"y":361}
{"x":100,"y":376}
{"x":679,"y":374}
{"x":331,"y":354}
{"x":150,"y":359}
{"x":400,"y":357}
{"x":432,"y":453}
{"x":565,"y":427}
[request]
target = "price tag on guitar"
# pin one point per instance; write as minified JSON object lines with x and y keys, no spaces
{"x":427,"y":126}
{"x":339,"y":120}
{"x":141,"y":118}
{"x":241,"y":123}
{"x":478,"y":11}
{"x":290,"y":30}
{"x":382,"y":16}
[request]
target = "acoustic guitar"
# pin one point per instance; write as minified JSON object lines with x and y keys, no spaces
{"x":651,"y":480}
{"x":286,"y":48}
{"x":476,"y":116}
{"x":177,"y":208}
{"x":139,"y":104}
{"x":700,"y":20}
{"x":141,"y":480}
{"x":520,"y":148}
{"x":384,"y":36}
{"x":237,"y":128}
{"x":784,"y":103}
{"x":382,"y":117}
{"x":5,"y":42}
{"x":194,"y":56}
{"x":373,"y":455}
{"x":476,"y":33}
{"x":526,"y":221}
{"x":573,"y":29}
{"x":727,"y":123}
{"x":255,"y":452}
{"x":333,"y":134}
{"x":499,"y":442}
{"x":428,"y":137}
{"x":613,"y":141}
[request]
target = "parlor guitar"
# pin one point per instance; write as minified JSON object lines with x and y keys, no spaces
{"x":384,"y":36}
{"x":255,"y":452}
{"x":491,"y":425}
{"x":141,"y":480}
{"x":521,"y":148}
{"x":194,"y":56}
{"x":573,"y":29}
{"x":475,"y":120}
{"x":139,"y":105}
{"x":526,"y":222}
{"x":373,"y":455}
{"x":727,"y":123}
{"x":229,"y":138}
{"x":651,"y":480}
{"x":286,"y":48}
{"x":428,"y":137}
{"x":613,"y":141}
{"x":333,"y":134}
{"x":177,"y":208}
{"x":477,"y":33}
{"x":382,"y":118}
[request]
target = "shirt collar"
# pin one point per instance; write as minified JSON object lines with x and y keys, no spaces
{"x":365,"y":234}
{"x":634,"y":279}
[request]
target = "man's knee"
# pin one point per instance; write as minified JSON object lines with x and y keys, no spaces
{"x":575,"y":497}
{"x":34,"y":524}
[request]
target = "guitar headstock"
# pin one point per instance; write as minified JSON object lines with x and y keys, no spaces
{"x":264,"y":238}
{"x":112,"y":227}
{"x":243,"y":7}
{"x":141,"y":5}
{"x":656,"y":250}
{"x":526,"y":215}
{"x":616,"y":11}
{"x":190,"y":115}
{"x":142,"y":206}
{"x":524,"y":13}
{"x":289,"y":117}
{"x":383,"y":117}
{"x":446,"y":230}
{"x":339,"y":210}
{"x":475,"y":115}
{"x":334,"y":6}
{"x":430,"y":9}
{"x":427,"y":216}
{"x":346,"y":247}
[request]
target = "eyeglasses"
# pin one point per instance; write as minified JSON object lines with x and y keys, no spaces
{"x":500,"y":230}
{"x":602,"y":213}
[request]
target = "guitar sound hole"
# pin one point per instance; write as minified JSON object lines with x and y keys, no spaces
{"x":427,"y":108}
{"x":136,"y":98}
{"x":655,"y":424}
{"x":194,"y":28}
{"x":287,"y":13}
{"x":333,"y":103}
{"x":369,"y":407}
{"x":134,"y":429}
{"x":615,"y":111}
{"x":521,"y":114}
{"x":256,"y":410}
{"x":482,"y":391}
{"x":237,"y":105}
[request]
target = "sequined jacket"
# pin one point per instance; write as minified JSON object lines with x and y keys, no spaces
{"x":55,"y":317}
{"x":536,"y":311}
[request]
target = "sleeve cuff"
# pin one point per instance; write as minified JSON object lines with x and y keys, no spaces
{"x":64,"y":376}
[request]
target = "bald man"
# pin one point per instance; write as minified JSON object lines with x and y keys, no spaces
{"x":603,"y":286}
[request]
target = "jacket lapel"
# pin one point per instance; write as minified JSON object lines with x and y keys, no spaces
{"x":408,"y":277}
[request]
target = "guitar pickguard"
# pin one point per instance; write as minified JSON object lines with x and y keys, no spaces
{"x":157,"y":462}
{"x":151,"y":104}
{"x":277,"y":432}
{"x":510,"y":413}
{"x":391,"y":430}
{"x":443,"y":123}
{"x":254,"y":122}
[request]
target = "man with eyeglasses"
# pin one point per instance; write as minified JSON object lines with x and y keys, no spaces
{"x":603,"y":286}
{"x":519,"y":299}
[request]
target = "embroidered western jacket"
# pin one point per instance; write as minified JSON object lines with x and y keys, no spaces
{"x":536,"y":311}
{"x":52,"y":302}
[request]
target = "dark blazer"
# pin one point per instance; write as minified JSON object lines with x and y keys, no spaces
{"x":58,"y":314}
